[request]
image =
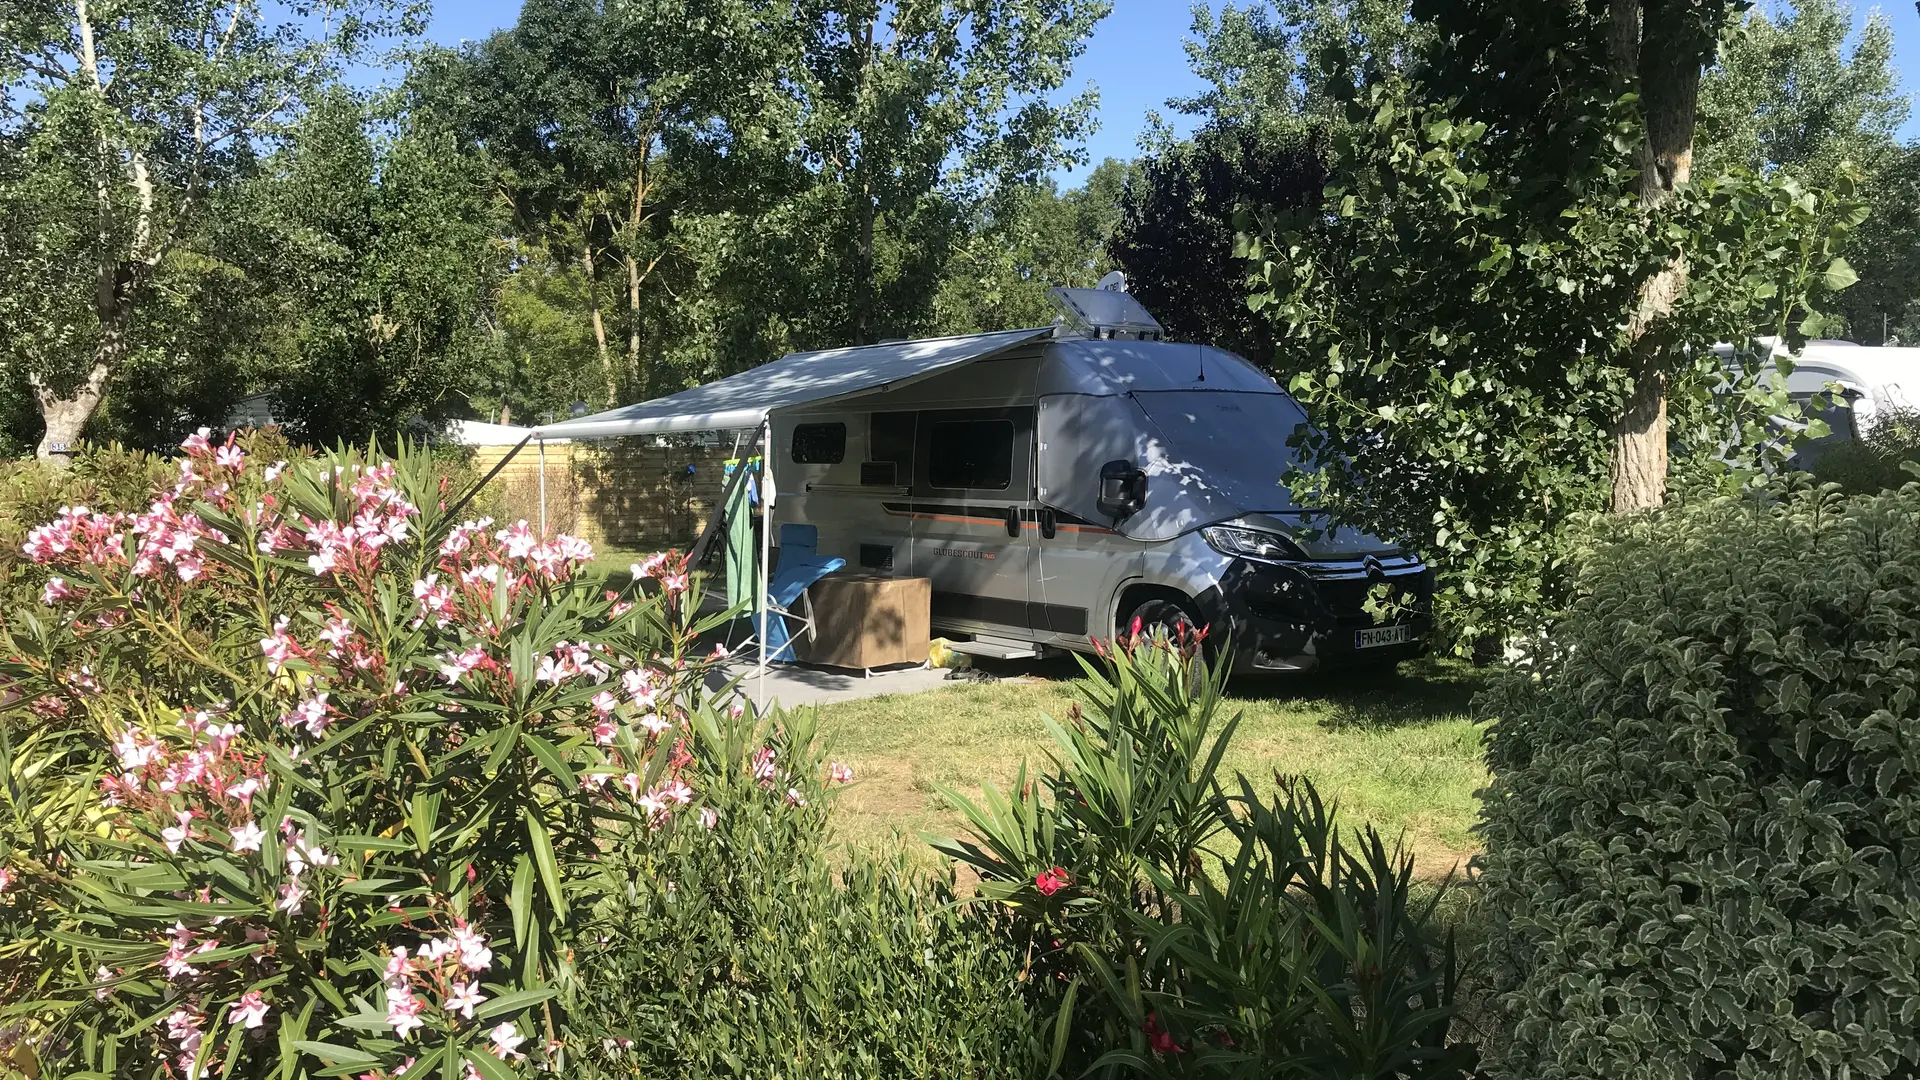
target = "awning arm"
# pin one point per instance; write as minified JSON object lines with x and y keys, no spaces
{"x":461,"y":503}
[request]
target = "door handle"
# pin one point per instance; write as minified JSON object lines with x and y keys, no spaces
{"x":1049,"y":523}
{"x":1013,"y":521}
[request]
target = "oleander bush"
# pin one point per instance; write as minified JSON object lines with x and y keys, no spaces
{"x":752,"y":948}
{"x":299,"y":776}
{"x":1703,"y":833}
{"x":1179,"y":924}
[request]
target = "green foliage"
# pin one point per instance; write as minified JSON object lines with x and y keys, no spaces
{"x":118,"y":130}
{"x":1701,"y":834}
{"x":1799,"y":90}
{"x":1283,"y":952}
{"x":1877,"y":459}
{"x":749,"y":948}
{"x":381,"y":254}
{"x":1183,"y":208}
{"x":294,"y":765}
{"x":1033,"y":237}
{"x":1458,"y":326}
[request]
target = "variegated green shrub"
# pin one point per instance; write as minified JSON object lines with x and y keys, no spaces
{"x":1703,"y":835}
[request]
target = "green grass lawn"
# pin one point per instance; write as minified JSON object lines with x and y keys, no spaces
{"x":1398,"y":753}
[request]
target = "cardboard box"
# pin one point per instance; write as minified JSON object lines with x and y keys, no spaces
{"x":866,"y":621}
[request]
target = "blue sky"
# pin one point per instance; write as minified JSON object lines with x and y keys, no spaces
{"x":1137,"y":62}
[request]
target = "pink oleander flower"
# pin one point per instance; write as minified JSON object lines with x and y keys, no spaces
{"x":292,"y":898}
{"x":403,"y":1012}
{"x":455,"y":666}
{"x":6,"y":879}
{"x":839,"y":773}
{"x":519,"y":540}
{"x":101,"y":978}
{"x":311,"y":714}
{"x":244,"y":791}
{"x":278,"y":647}
{"x":464,"y":999}
{"x":339,"y":630}
{"x":179,"y":832}
{"x":794,"y":798}
{"x":247,"y":837}
{"x":506,"y":1042}
{"x":229,"y":456}
{"x":250,"y":1011}
{"x":604,"y":703}
{"x":1052,"y":880}
{"x":57,"y":590}
{"x":649,"y":568}
{"x":655,"y":723}
{"x":399,"y":968}
{"x":196,"y":443}
{"x":274,"y":470}
{"x":639,"y":684}
{"x":301,"y":854}
{"x":474,"y":954}
{"x":763,"y":768}
{"x":709,"y":817}
{"x":435,"y":599}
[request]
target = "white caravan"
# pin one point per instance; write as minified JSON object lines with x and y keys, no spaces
{"x":1056,"y":484}
{"x":1873,"y":381}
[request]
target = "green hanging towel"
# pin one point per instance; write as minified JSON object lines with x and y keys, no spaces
{"x":742,"y":577}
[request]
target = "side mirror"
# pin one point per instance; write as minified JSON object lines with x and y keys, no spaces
{"x":1123,"y":489}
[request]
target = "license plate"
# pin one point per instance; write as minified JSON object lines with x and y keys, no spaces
{"x":1377,"y":636}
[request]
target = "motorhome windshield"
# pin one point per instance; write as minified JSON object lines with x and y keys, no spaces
{"x":1229,"y":445}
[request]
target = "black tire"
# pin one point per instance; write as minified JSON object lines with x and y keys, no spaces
{"x":1163,"y":615}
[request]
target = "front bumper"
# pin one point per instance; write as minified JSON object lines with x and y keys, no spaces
{"x":1283,"y":617}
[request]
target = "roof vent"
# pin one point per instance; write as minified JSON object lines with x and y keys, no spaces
{"x":1107,"y":312}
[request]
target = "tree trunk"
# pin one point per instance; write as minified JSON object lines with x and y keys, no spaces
{"x":865,"y":211}
{"x":66,"y":415}
{"x":1663,"y":54}
{"x":599,"y":326}
{"x":633,"y":321}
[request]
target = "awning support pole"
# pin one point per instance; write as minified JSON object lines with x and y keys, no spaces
{"x":766,"y":553}
{"x":461,"y":503}
{"x":703,"y":546}
{"x":543,"y":487}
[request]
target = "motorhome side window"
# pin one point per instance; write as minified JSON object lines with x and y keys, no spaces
{"x":889,"y":449}
{"x":971,"y":454}
{"x":819,"y":444}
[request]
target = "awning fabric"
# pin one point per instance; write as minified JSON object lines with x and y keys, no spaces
{"x":744,"y":400}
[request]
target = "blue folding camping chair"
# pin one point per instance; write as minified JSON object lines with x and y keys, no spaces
{"x":800,"y":565}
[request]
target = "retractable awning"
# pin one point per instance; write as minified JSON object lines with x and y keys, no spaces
{"x":744,"y":400}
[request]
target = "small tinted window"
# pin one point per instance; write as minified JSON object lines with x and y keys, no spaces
{"x":973,"y":454}
{"x":890,"y":438}
{"x":819,"y":444}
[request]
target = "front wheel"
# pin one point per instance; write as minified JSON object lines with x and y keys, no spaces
{"x":1163,"y":616}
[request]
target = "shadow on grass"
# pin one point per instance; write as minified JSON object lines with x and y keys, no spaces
{"x":1418,"y":692}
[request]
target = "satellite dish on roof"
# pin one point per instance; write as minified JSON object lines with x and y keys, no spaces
{"x":1115,"y":281}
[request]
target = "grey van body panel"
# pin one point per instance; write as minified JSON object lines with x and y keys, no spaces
{"x":1031,"y":559}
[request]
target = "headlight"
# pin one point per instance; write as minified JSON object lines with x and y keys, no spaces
{"x":1252,"y":544}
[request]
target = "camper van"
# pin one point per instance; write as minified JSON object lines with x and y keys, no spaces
{"x":1058,"y":484}
{"x":1060,"y":489}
